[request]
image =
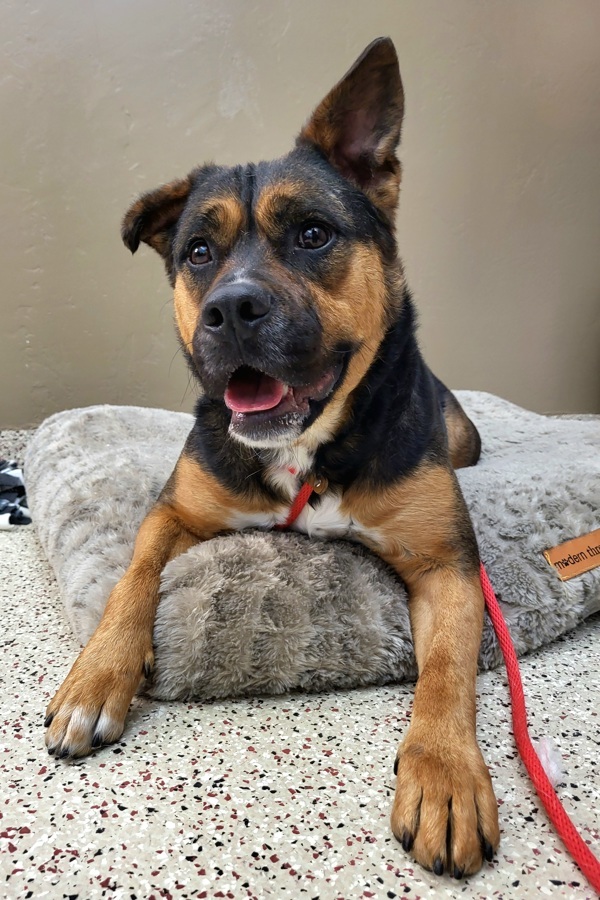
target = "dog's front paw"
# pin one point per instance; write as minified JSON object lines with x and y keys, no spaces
{"x":90,"y":707}
{"x":445,"y":812}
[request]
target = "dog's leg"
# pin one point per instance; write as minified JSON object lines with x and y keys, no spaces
{"x":444,"y":809}
{"x":90,"y":707}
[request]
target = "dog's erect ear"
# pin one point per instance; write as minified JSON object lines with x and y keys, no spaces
{"x":357,"y":125}
{"x":154,"y":216}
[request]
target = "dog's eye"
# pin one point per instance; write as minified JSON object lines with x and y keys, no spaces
{"x":313,"y":236}
{"x":199,"y":254}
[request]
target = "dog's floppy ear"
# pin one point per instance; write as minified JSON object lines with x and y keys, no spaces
{"x":357,"y":125}
{"x":154,"y":216}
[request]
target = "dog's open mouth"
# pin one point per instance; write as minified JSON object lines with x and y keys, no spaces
{"x":255,"y":398}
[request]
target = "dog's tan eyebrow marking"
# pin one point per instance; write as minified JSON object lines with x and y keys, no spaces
{"x":273,"y":200}
{"x":224,"y":214}
{"x":292,"y":199}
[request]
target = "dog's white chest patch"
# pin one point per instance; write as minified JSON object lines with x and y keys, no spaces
{"x":323,"y":520}
{"x":326,"y":520}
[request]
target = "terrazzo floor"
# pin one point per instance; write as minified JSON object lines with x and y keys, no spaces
{"x":284,"y":797}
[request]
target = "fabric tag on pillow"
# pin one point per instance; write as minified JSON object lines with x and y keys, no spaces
{"x":575,"y":557}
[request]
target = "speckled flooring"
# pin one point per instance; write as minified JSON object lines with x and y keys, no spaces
{"x":286,"y":797}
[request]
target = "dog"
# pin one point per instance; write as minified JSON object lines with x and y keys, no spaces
{"x":293,"y":313}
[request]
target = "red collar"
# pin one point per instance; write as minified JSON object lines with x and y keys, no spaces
{"x":300,"y":501}
{"x":314,"y":483}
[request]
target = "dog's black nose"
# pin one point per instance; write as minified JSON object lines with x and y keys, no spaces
{"x":235,"y":308}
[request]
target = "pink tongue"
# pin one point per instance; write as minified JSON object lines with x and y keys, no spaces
{"x":250,"y":391}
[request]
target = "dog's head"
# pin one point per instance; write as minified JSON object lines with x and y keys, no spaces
{"x":285,"y":273}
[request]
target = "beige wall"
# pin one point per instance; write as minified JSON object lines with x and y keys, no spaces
{"x":500,"y":218}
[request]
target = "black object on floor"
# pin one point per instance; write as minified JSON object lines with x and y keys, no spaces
{"x":13,"y":500}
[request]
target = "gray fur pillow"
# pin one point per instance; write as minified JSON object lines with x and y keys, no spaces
{"x":266,"y":613}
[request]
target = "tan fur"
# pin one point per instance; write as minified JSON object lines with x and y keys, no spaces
{"x":229,"y":218}
{"x":203,"y":505}
{"x":416,"y":524}
{"x":439,"y":759}
{"x":328,"y":423}
{"x":273,"y":201}
{"x":463,"y":443}
{"x":415,"y":520}
{"x":108,"y":670}
{"x":187,"y":310}
{"x":356,"y":311}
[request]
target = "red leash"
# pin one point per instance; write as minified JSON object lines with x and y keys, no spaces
{"x":579,"y":850}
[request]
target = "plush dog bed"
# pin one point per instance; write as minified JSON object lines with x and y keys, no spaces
{"x":270,"y":612}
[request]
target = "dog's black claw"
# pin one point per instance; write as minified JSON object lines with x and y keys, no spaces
{"x":407,"y":841}
{"x":458,"y":872}
{"x":48,"y":720}
{"x":51,"y":751}
{"x":63,"y":753}
{"x":96,"y":741}
{"x":488,"y":850}
{"x":148,"y":670}
{"x":438,"y":866}
{"x":396,"y":766}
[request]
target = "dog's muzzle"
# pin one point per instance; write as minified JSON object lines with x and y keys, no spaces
{"x":263,"y":356}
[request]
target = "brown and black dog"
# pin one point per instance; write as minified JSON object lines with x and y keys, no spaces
{"x":293,"y":313}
